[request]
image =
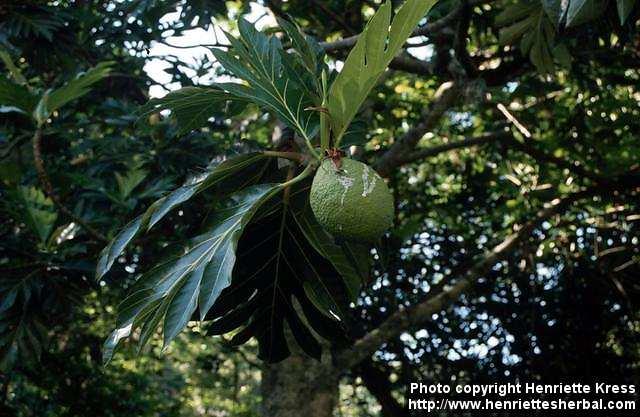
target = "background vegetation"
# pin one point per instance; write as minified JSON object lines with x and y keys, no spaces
{"x":507,"y":130}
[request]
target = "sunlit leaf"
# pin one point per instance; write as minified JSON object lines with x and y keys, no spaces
{"x":377,"y":45}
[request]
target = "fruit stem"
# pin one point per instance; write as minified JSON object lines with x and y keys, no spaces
{"x":292,"y":156}
{"x":325,"y":128}
{"x":308,"y":170}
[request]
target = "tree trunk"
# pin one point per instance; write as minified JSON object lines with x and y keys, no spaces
{"x":299,"y":386}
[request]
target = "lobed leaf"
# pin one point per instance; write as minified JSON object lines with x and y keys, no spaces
{"x":377,"y":45}
{"x":261,"y":62}
{"x":163,"y":206}
{"x":172,"y":291}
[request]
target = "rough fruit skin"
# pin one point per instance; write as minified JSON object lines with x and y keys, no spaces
{"x":352,"y":202}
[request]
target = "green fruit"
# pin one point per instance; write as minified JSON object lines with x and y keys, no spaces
{"x":352,"y":202}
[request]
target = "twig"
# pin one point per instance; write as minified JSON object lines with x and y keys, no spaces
{"x":48,"y":188}
{"x":335,"y":17}
{"x":510,"y":117}
{"x":463,"y":143}
{"x":426,"y":30}
{"x":444,"y":98}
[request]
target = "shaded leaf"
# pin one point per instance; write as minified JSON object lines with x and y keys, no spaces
{"x":275,"y":264}
{"x":15,"y":97}
{"x":556,"y":10}
{"x":582,"y":11}
{"x":352,"y":273}
{"x":624,"y":9}
{"x":81,"y":85}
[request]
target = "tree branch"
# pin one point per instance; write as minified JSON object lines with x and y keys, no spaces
{"x":530,"y":149}
{"x":427,"y":30}
{"x":464,"y":143}
{"x":444,"y":98}
{"x":48,"y":188}
{"x":404,"y":319}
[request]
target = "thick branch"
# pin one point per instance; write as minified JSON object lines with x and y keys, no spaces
{"x":404,"y":319}
{"x":401,"y":149}
{"x":48,"y":188}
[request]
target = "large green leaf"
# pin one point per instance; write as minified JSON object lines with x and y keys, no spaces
{"x":378,"y":44}
{"x":81,"y":85}
{"x":196,"y":276}
{"x":243,"y":164}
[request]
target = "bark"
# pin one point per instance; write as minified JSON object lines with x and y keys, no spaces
{"x":299,"y":386}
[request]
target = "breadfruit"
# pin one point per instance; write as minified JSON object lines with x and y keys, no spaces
{"x":351,"y":201}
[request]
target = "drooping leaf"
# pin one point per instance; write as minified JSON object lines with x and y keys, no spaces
{"x":222,"y":172}
{"x":78,"y":87}
{"x":200,"y":273}
{"x":377,"y":45}
{"x":342,"y":257}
